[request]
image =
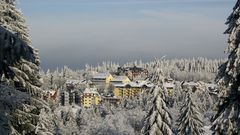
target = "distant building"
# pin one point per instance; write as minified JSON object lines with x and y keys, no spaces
{"x":64,"y":98}
{"x":72,"y":84}
{"x":50,"y":95}
{"x":121,"y":90}
{"x":185,"y":85}
{"x":90,"y":97}
{"x":75,"y":82}
{"x":111,"y":100}
{"x":69,"y":98}
{"x":169,"y":86}
{"x":131,"y":89}
{"x":198,"y":86}
{"x":120,"y":80}
{"x":102,"y":78}
{"x":132,"y":72}
{"x":136,"y":71}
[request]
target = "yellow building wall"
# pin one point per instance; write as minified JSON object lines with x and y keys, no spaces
{"x":126,"y":92}
{"x":87,"y":102}
{"x":109,"y":79}
{"x":90,"y":101}
{"x":170,"y":91}
{"x":98,"y":100}
{"x":136,"y":91}
{"x":118,"y":92}
{"x":127,"y":80}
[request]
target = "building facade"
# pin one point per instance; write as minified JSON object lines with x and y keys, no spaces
{"x":131,"y":89}
{"x":90,"y":97}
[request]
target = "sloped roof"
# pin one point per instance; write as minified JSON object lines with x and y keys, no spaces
{"x":72,"y":81}
{"x":141,"y":84}
{"x":135,"y":84}
{"x":168,"y":85}
{"x":91,"y":91}
{"x":190,"y":83}
{"x":119,"y":78}
{"x":101,"y":75}
{"x":120,"y":85}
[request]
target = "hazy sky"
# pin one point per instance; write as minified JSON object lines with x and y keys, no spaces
{"x":76,"y":32}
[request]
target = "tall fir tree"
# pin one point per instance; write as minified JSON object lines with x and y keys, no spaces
{"x":25,"y":69}
{"x":227,"y":120}
{"x":158,"y":119}
{"x":19,"y":67}
{"x":13,"y":19}
{"x":190,"y":120}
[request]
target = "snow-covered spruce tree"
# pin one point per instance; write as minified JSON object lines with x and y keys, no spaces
{"x":227,"y":120}
{"x":6,"y":103}
{"x":12,"y":19}
{"x":158,"y":119}
{"x":26,"y":69}
{"x":23,"y":114}
{"x":19,"y":66}
{"x":190,"y":121}
{"x":156,"y":78}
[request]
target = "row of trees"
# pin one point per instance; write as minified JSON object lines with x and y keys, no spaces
{"x":159,"y":119}
{"x":227,"y":120}
{"x":178,"y":69}
{"x":157,"y":101}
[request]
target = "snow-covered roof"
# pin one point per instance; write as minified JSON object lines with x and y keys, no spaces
{"x":142,"y":83}
{"x":168,"y":85}
{"x":72,"y":81}
{"x":91,"y":91}
{"x":190,"y":83}
{"x":116,"y":98}
{"x":120,"y":85}
{"x":119,"y":78}
{"x":135,"y":84}
{"x":101,"y":75}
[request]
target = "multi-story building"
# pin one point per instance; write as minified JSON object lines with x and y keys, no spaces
{"x":169,"y":86}
{"x":111,"y":100}
{"x":131,"y":89}
{"x":90,"y":97}
{"x":69,"y":98}
{"x":133,"y":72}
{"x":50,"y":95}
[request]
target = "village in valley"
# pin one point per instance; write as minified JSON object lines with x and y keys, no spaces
{"x":109,"y":87}
{"x":111,"y":94}
{"x":113,"y":87}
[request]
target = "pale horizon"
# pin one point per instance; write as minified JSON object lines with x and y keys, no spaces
{"x":77,"y":32}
